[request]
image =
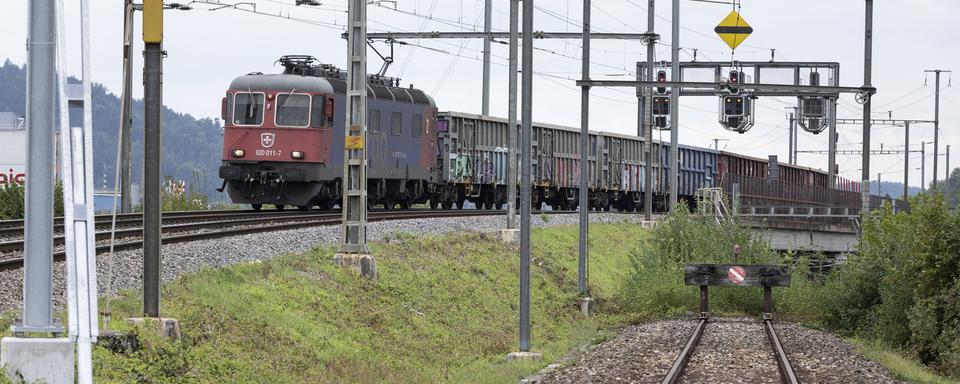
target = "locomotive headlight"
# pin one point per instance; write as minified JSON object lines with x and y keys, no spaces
{"x":297,"y":155}
{"x":239,"y":153}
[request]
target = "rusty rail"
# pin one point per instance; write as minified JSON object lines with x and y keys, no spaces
{"x":680,"y":364}
{"x":787,"y":374}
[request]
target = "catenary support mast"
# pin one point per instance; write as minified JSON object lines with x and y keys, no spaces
{"x":584,"y":155}
{"x":675,"y":107}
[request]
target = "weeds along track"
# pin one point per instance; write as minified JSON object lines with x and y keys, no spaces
{"x":732,"y":350}
{"x":181,"y":227}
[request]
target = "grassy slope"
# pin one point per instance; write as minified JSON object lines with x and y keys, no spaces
{"x":901,"y":367}
{"x":444,"y":308}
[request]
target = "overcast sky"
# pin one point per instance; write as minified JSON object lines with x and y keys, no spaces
{"x":207,"y":49}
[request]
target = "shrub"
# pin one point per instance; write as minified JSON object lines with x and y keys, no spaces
{"x":655,"y":285}
{"x":12,"y":201}
{"x":904,"y":287}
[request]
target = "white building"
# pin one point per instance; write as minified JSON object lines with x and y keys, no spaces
{"x":13,"y":154}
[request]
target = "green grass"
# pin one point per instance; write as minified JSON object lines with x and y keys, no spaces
{"x":901,"y":367}
{"x":444,"y":309}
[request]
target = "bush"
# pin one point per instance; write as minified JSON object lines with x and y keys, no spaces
{"x":655,"y":285}
{"x":12,"y":201}
{"x":904,"y":288}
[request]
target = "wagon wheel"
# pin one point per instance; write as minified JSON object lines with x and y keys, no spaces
{"x":388,"y":203}
{"x":405,"y":204}
{"x":256,"y":207}
{"x":447,"y":205}
{"x":460,"y":203}
{"x":434,"y":203}
{"x":499,"y":206}
{"x":325,"y":204}
{"x":280,"y":207}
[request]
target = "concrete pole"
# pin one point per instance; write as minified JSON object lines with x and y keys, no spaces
{"x":152,"y":142}
{"x":906,"y":160}
{"x":512,"y":117}
{"x":526,"y":138}
{"x":38,"y":218}
{"x":675,"y":107}
{"x":879,"y":184}
{"x":487,"y":28}
{"x":867,"y":74}
{"x":648,"y":132}
{"x":584,"y":155}
{"x":126,"y":102}
{"x":946,"y":179}
{"x":641,"y":121}
{"x":923,"y":167}
{"x":793,"y":126}
{"x":832,"y":146}
{"x":796,"y":140}
{"x":936,"y":130}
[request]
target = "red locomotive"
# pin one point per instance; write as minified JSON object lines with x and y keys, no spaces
{"x":282,"y":133}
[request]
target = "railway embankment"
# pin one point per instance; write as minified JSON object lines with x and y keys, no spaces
{"x":443,"y":308}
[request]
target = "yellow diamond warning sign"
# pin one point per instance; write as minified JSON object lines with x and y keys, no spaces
{"x":733,"y":30}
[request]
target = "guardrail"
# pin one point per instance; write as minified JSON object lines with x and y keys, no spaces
{"x":800,"y":212}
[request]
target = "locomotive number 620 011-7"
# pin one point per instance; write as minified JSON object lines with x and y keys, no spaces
{"x":269,"y":152}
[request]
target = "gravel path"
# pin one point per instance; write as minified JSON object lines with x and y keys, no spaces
{"x":827,"y":359}
{"x":189,"y":257}
{"x":640,"y":354}
{"x":730,"y":351}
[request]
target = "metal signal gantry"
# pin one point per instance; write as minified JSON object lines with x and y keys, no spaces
{"x":747,"y":86}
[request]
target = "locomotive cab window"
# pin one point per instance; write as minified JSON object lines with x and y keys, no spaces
{"x":248,"y":108}
{"x":373,"y":126}
{"x":226,"y":108}
{"x":293,"y":110}
{"x":316,"y":112}
{"x":396,"y":126}
{"x":417,"y":130}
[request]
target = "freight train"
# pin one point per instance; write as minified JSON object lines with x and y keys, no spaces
{"x":283,"y":135}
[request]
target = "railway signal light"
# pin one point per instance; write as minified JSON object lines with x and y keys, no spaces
{"x":733,"y":105}
{"x":735,"y":112}
{"x":661,"y":109}
{"x":662,"y":77}
{"x":813,"y":110}
{"x":734,"y":77}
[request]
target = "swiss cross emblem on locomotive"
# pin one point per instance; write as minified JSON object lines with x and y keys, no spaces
{"x":267,"y":139}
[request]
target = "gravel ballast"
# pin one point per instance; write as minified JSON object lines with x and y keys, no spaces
{"x":731,"y":350}
{"x":182,"y":258}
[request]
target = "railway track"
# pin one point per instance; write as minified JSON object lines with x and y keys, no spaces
{"x":677,"y":370}
{"x":11,"y":238}
{"x":179,"y":227}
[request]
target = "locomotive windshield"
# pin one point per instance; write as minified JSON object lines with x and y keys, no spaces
{"x":293,"y":110}
{"x":248,"y":108}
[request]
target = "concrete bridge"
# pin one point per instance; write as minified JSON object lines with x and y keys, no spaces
{"x":827,"y":231}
